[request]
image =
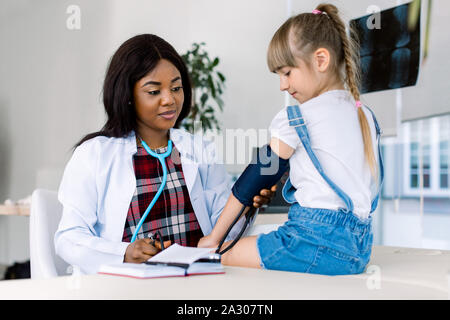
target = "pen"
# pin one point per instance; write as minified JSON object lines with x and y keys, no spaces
{"x":152,"y":236}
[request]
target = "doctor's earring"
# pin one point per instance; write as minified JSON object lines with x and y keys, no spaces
{"x":129,"y":103}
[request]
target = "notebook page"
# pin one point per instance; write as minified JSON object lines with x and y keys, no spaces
{"x":180,"y":254}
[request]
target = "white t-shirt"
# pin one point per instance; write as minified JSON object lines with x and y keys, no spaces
{"x":336,"y":139}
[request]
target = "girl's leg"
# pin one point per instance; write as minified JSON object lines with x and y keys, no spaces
{"x":243,"y":254}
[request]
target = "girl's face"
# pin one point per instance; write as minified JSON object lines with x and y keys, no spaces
{"x":159,"y":97}
{"x":301,"y":82}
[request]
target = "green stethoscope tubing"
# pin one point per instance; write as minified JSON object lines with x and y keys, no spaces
{"x":161,"y":157}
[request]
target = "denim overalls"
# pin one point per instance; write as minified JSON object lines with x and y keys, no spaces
{"x":322,"y":241}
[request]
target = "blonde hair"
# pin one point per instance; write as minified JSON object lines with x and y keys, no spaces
{"x":302,"y":35}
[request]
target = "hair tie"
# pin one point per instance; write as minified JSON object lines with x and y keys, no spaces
{"x":358,"y":104}
{"x":315,"y":11}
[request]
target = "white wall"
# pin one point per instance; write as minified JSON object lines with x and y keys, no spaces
{"x":50,"y":89}
{"x":49,"y":97}
{"x":431,"y":95}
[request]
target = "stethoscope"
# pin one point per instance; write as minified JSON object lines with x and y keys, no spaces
{"x":251,"y":213}
{"x":161,"y":157}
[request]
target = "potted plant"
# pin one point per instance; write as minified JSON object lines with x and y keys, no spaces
{"x":207,"y":88}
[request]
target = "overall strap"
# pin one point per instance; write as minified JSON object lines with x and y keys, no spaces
{"x":296,"y":120}
{"x":380,"y":162}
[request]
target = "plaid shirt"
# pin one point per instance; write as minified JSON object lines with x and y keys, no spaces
{"x":172,"y":213}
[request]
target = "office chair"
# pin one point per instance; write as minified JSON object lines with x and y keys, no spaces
{"x":45,"y":215}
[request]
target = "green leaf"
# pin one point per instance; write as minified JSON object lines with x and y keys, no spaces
{"x":215,"y":62}
{"x":211,"y":86}
{"x":219,"y":103}
{"x":221,"y":76}
{"x":203,"y":98}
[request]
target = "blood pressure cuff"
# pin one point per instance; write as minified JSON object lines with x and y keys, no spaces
{"x":265,"y":169}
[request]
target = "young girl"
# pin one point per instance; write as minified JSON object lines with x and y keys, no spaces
{"x":330,"y":142}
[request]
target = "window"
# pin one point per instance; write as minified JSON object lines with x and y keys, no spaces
{"x":414,"y":167}
{"x":426,"y":166}
{"x":444,"y":177}
{"x":444,"y":153}
{"x":427,"y":157}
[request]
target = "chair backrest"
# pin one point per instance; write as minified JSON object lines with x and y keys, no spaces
{"x":45,"y":215}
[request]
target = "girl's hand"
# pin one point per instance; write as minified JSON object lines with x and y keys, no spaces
{"x":143,"y":249}
{"x":208,"y":242}
{"x":264,"y":197}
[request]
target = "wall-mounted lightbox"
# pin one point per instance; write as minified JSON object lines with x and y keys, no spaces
{"x":390,"y":51}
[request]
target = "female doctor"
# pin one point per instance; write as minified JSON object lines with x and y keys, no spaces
{"x":111,"y":178}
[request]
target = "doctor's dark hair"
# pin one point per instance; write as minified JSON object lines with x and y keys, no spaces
{"x":135,"y":58}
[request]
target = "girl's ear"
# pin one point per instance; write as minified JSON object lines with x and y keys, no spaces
{"x":322,"y":59}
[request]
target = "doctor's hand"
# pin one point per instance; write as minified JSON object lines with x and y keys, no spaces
{"x":264,"y":197}
{"x":141,"y":250}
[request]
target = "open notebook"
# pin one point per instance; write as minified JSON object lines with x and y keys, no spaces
{"x":175,"y":261}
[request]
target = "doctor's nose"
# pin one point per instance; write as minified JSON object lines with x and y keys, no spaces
{"x":167,"y":99}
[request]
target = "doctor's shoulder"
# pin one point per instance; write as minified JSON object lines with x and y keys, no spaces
{"x":196,"y":147}
{"x":97,"y":144}
{"x":100,"y":148}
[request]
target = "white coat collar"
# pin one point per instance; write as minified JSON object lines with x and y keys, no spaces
{"x":182,"y":139}
{"x":186,"y":144}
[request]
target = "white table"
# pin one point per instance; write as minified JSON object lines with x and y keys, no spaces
{"x":400,"y":273}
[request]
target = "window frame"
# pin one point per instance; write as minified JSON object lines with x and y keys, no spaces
{"x":435,"y":189}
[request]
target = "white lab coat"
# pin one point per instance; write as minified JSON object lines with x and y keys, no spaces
{"x":98,"y":185}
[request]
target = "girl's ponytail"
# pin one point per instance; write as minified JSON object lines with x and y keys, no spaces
{"x":350,"y":54}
